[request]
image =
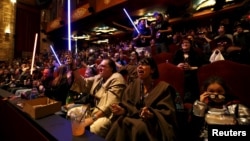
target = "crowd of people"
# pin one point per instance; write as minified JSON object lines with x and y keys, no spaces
{"x":129,"y":102}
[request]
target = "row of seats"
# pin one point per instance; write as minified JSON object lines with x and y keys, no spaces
{"x":164,"y":57}
{"x":168,"y":56}
{"x":235,"y":74}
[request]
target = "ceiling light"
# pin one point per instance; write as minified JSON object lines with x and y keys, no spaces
{"x":101,"y":41}
{"x":13,"y":1}
{"x":104,"y":29}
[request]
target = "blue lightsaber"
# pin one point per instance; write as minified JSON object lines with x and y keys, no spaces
{"x":131,"y":20}
{"x":55,"y":55}
{"x":69,"y":27}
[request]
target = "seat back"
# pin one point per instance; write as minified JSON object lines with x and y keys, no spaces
{"x":236,"y":75}
{"x":175,"y":77}
{"x":173,"y":48}
{"x":82,"y":71}
{"x":199,"y":51}
{"x":163,"y":57}
{"x":98,"y":61}
{"x":172,"y":75}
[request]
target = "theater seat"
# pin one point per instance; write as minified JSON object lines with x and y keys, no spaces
{"x":82,"y":71}
{"x":98,"y":61}
{"x":172,"y":75}
{"x":236,"y":75}
{"x":163,"y":57}
{"x":173,"y":48}
{"x":175,"y":77}
{"x":199,"y":51}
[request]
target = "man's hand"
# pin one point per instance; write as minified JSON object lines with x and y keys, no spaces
{"x":117,"y":110}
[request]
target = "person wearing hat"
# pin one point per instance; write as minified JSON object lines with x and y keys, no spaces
{"x":161,"y":30}
{"x":142,"y":39}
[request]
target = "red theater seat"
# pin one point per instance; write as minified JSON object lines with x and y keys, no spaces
{"x":175,"y":77}
{"x":173,"y":48}
{"x":98,"y":61}
{"x":236,"y":75}
{"x":172,"y":75}
{"x":163,"y":57}
{"x":82,"y":71}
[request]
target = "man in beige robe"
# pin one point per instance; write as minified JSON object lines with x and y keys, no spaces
{"x":106,"y":88}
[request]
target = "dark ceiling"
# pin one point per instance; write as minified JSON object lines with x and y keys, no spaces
{"x":115,"y":16}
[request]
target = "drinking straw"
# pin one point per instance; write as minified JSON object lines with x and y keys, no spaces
{"x":88,"y":106}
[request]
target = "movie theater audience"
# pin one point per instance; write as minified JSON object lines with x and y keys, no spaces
{"x":147,"y":110}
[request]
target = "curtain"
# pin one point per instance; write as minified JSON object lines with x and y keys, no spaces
{"x":27,"y":25}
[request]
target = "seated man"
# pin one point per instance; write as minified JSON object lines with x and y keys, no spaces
{"x":106,"y":88}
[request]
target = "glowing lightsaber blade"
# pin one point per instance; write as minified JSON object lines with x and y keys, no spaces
{"x":69,"y":27}
{"x":34,"y":53}
{"x":55,"y":55}
{"x":131,"y":20}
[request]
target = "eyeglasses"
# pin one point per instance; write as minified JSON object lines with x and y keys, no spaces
{"x":218,"y":96}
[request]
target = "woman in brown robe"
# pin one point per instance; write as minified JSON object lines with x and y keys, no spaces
{"x":146,"y":111}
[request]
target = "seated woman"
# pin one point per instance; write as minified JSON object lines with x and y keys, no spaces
{"x":187,"y":57}
{"x":214,"y":101}
{"x":189,"y":60}
{"x":147,"y":110}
